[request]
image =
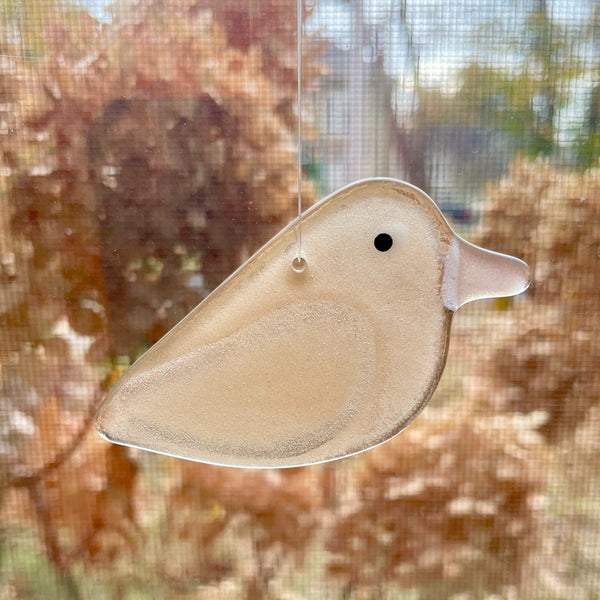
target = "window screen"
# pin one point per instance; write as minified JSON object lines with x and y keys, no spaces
{"x":149,"y":147}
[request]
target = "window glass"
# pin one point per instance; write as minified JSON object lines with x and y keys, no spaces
{"x":148,"y":148}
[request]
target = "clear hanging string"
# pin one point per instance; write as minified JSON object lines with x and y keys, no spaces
{"x":299,"y":263}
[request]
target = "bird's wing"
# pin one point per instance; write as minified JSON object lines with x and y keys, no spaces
{"x":270,"y":394}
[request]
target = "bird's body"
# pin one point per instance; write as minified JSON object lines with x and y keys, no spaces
{"x":279,"y":368}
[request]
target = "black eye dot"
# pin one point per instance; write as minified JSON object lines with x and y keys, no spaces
{"x":383,"y":242}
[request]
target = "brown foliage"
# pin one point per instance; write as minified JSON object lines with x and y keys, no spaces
{"x":551,"y":219}
{"x":275,"y":511}
{"x":176,"y":139}
{"x":446,"y":507}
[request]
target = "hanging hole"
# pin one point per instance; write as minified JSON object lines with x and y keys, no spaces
{"x":299,"y":264}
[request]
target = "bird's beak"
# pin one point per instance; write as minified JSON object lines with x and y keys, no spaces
{"x":473,"y":273}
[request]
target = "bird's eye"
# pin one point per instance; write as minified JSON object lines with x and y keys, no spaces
{"x":383,"y":242}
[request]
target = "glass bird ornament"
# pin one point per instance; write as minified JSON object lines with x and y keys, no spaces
{"x":284,"y":366}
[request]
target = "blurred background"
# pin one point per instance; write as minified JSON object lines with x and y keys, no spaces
{"x":148,"y":147}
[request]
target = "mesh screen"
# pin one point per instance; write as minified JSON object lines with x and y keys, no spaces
{"x":149,"y":148}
